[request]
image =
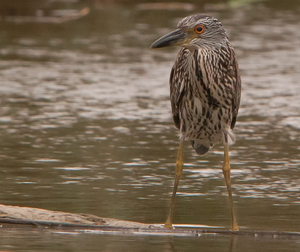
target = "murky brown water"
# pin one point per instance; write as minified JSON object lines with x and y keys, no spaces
{"x":85,"y":126}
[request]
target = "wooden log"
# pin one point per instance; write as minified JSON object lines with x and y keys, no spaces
{"x":37,"y":216}
{"x":88,"y":223}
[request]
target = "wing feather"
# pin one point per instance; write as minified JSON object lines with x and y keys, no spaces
{"x":178,"y":83}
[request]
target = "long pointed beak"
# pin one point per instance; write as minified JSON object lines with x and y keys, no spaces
{"x":177,"y":37}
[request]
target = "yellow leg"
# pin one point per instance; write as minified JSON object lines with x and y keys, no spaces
{"x":178,"y":172}
{"x":226,"y":172}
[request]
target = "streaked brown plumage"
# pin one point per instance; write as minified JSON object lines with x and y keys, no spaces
{"x":205,"y":90}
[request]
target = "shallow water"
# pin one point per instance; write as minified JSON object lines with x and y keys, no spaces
{"x":85,"y":126}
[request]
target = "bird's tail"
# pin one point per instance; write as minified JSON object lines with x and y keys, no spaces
{"x":200,"y":148}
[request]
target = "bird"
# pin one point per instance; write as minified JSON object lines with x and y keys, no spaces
{"x":205,"y":93}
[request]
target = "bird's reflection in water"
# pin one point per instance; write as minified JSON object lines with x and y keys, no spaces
{"x":173,"y":244}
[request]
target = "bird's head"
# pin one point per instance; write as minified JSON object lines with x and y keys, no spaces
{"x":193,"y":32}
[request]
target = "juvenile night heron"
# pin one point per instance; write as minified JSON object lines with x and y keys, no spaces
{"x":205,"y":91}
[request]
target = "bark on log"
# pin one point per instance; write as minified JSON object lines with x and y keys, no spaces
{"x":37,"y":216}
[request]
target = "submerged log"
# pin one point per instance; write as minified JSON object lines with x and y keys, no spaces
{"x":93,"y":224}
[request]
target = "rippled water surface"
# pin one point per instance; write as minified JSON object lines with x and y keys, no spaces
{"x":86,"y":127}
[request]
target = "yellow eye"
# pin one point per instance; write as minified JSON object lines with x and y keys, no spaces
{"x":199,"y":29}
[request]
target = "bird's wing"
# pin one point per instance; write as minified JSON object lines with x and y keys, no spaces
{"x":224,"y":86}
{"x":178,"y":82}
{"x":236,"y":94}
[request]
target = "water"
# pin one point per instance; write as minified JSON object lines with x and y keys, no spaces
{"x":60,"y":241}
{"x":85,"y":127}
